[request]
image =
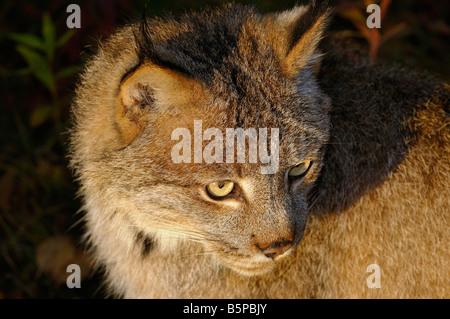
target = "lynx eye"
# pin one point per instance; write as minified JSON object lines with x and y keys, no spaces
{"x":218,"y":190}
{"x":299,"y":170}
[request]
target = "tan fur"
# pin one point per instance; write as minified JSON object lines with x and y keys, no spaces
{"x":157,"y":234}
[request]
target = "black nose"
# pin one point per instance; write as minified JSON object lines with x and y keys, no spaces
{"x":276,"y":249}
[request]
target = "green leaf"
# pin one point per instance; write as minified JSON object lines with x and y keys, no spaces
{"x":21,"y":71}
{"x":68,"y":71}
{"x":39,"y":67}
{"x":64,"y":38}
{"x":48,"y":34}
{"x":17,"y":72}
{"x":28,"y":40}
{"x":40,"y":115}
{"x":33,"y":58}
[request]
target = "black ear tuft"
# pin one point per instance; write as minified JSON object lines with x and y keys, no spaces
{"x":143,"y":39}
{"x":149,"y":50}
{"x":308,"y":19}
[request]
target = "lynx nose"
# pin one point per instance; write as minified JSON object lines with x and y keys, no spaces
{"x":276,"y":249}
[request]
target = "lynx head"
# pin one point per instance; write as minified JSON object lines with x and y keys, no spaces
{"x":178,"y":87}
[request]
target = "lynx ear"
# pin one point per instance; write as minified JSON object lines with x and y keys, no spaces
{"x":304,"y":28}
{"x":150,"y":88}
{"x":135,"y":98}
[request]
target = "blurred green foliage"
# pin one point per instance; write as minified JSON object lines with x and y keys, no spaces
{"x":39,"y":53}
{"x":41,"y":59}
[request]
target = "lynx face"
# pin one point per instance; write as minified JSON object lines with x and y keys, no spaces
{"x":247,"y":71}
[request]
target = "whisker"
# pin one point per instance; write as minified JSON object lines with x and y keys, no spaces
{"x":171,"y":226}
{"x":204,"y":253}
{"x":183,"y":233}
{"x":315,"y":200}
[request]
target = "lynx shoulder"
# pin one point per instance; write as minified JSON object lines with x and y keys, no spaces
{"x":362,"y":154}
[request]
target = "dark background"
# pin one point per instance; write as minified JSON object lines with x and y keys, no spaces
{"x":40,"y":59}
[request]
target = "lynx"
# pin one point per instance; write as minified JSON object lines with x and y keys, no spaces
{"x":362,"y":178}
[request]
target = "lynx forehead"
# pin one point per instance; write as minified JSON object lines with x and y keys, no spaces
{"x":223,"y":147}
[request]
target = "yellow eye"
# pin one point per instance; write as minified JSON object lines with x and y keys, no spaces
{"x":219,"y":190}
{"x":300,"y":169}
